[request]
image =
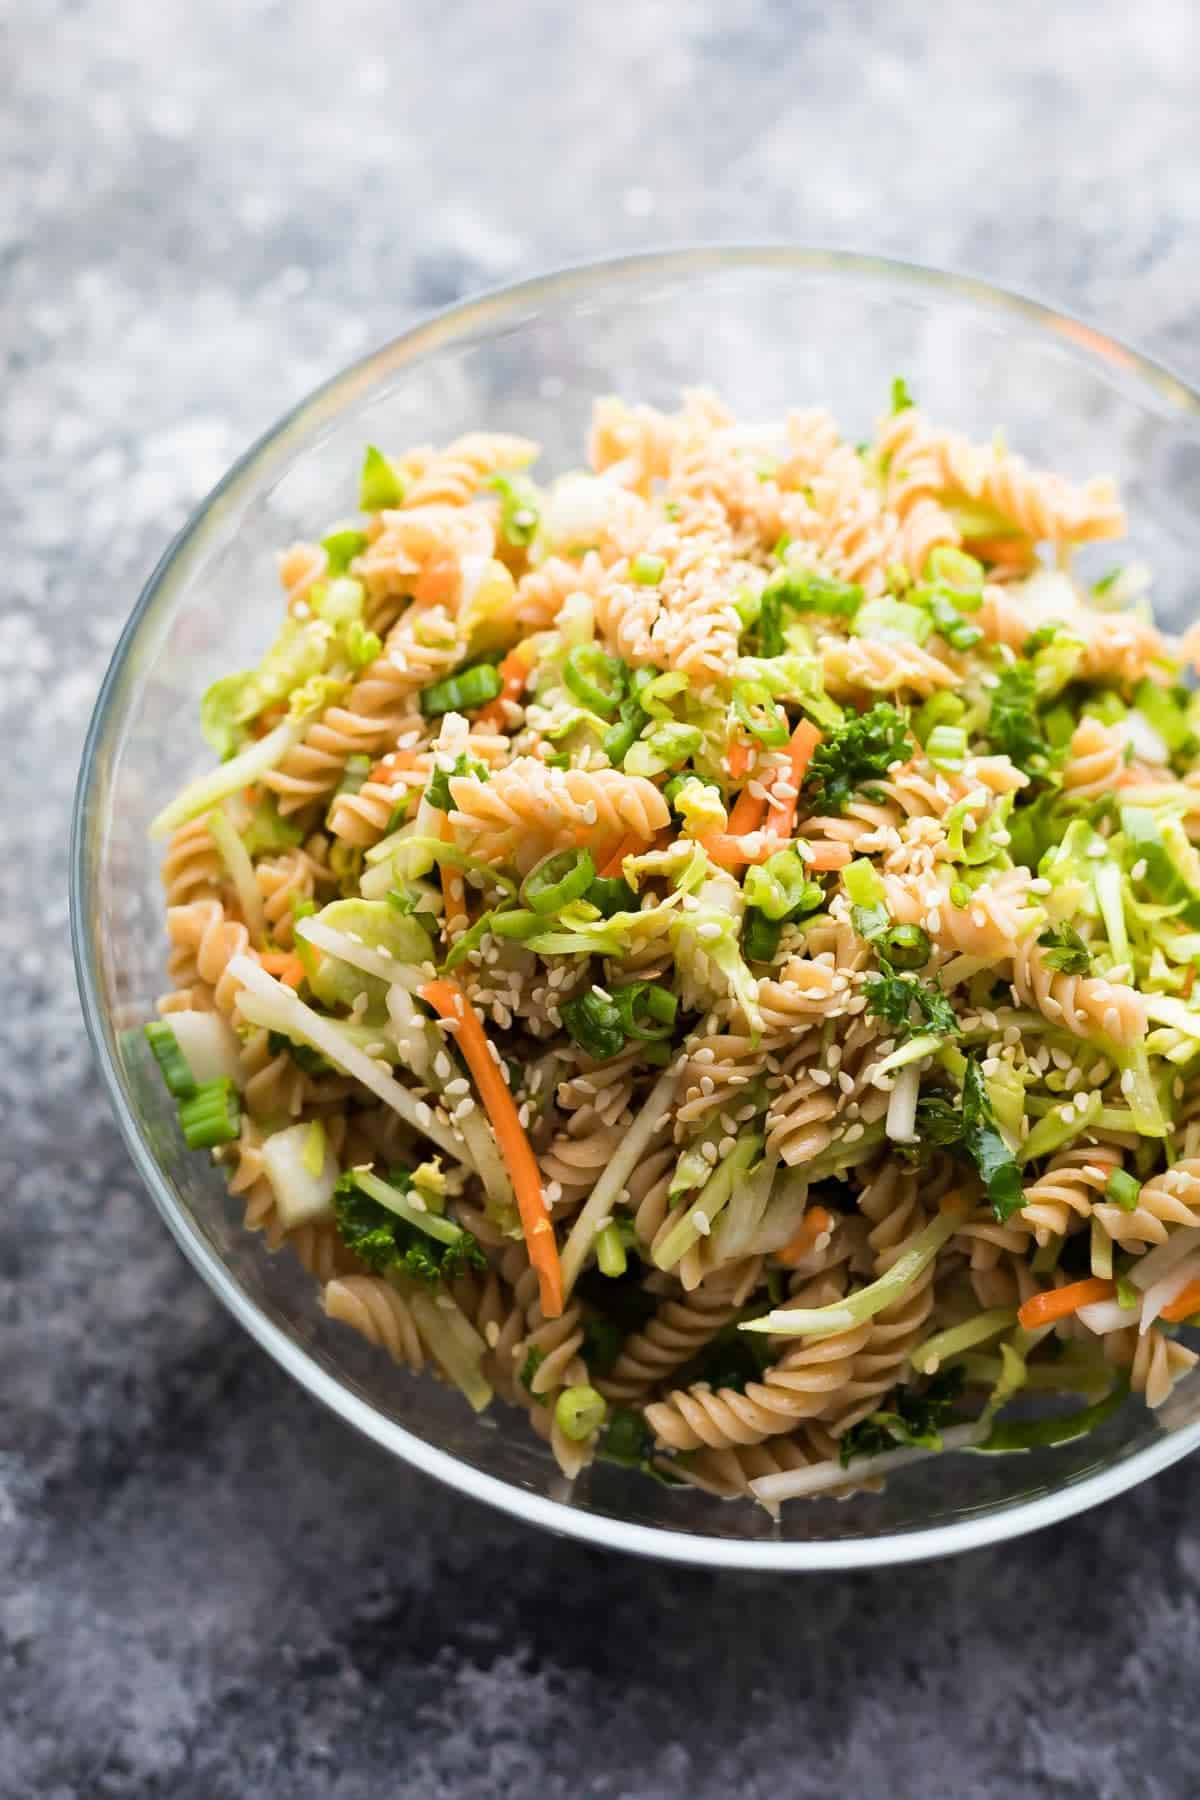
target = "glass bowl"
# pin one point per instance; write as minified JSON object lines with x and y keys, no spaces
{"x":767,"y":328}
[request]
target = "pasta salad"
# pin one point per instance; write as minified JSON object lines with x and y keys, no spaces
{"x":702,"y":948}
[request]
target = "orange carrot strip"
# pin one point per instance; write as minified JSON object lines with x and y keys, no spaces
{"x":449,"y":1002}
{"x":815,"y":1221}
{"x":512,"y":670}
{"x":628,"y":846}
{"x":730,"y":852}
{"x":737,"y":758}
{"x":781,"y":819}
{"x":392,"y":764}
{"x":829,"y":856}
{"x":1185,"y":1303}
{"x":1059,"y":1303}
{"x":747,"y":813}
{"x":287,"y":967}
{"x":1013,"y":552}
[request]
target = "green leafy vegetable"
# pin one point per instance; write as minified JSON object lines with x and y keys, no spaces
{"x":530,"y":1367}
{"x":983,"y":1143}
{"x":863,"y":749}
{"x":915,"y":1418}
{"x":1065,"y":950}
{"x":1012,"y":726}
{"x":389,"y":1244}
{"x":894,"y":998}
{"x":379,"y":485}
{"x":438,"y":791}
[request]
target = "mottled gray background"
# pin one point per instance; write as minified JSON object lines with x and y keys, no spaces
{"x":208,"y":1588}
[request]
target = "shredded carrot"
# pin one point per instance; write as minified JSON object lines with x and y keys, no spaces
{"x":250,"y":795}
{"x":815,"y":1221}
{"x":1185,"y":1303}
{"x":512,"y":670}
{"x":449,"y":1002}
{"x":283,"y":964}
{"x":730,"y":852}
{"x":1013,"y":552}
{"x":747,"y":813}
{"x":737,"y":758}
{"x":438,"y":583}
{"x":781,"y":819}
{"x":951,"y":1202}
{"x":829,"y":856}
{"x":1060,"y":1303}
{"x":392,"y":764}
{"x":628,"y":846}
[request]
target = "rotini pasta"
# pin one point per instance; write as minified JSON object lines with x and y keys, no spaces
{"x":670,"y":947}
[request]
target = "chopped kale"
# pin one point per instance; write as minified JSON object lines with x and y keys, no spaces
{"x":861,"y":750}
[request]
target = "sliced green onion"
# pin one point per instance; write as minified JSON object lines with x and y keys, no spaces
{"x":595,"y":679}
{"x":947,"y":619}
{"x":663,"y":748}
{"x":520,"y":514}
{"x":354,"y":775}
{"x":557,"y":880}
{"x":941,"y":708}
{"x":342,"y":546}
{"x":1123,"y":1190}
{"x":760,"y":936}
{"x":470,"y":940}
{"x":956,"y":569}
{"x":211,"y":1115}
{"x":620,"y":738}
{"x":807,"y":592}
{"x":946,"y":747}
{"x":313,"y":1154}
{"x":594,"y":1024}
{"x":578,"y":1412}
{"x":1162,"y":710}
{"x":648,"y":570}
{"x":610,"y":1251}
{"x":647,"y":1011}
{"x":172,"y":1063}
{"x":857,"y":1308}
{"x":892,"y":622}
{"x":1127,"y":1295}
{"x":758,"y":713}
{"x":928,"y":1357}
{"x":780,"y":886}
{"x":379,"y":485}
{"x":462,"y":692}
{"x":905,"y":946}
{"x":518,"y":923}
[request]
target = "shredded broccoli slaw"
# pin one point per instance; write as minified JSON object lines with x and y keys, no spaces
{"x":704,"y":948}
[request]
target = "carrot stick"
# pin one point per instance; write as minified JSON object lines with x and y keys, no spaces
{"x":512,"y":670}
{"x":449,"y":1002}
{"x":829,"y":856}
{"x":1013,"y":552}
{"x":1185,"y":1303}
{"x":628,"y":846}
{"x":737,"y":759}
{"x":730,"y":852}
{"x":747,"y":813}
{"x":286,"y":967}
{"x":781,"y":819}
{"x":392,"y":764}
{"x":1059,"y":1303}
{"x":815,"y":1221}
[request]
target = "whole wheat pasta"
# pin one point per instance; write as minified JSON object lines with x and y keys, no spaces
{"x":669,"y":941}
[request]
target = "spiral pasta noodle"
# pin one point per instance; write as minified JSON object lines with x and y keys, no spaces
{"x":672,"y":944}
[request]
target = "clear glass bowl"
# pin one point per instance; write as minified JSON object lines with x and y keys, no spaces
{"x":768,"y":328}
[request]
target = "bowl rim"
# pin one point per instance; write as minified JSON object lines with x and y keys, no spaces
{"x":455,"y":322}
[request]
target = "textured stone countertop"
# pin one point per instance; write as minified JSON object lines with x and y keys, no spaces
{"x":209,"y":1588}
